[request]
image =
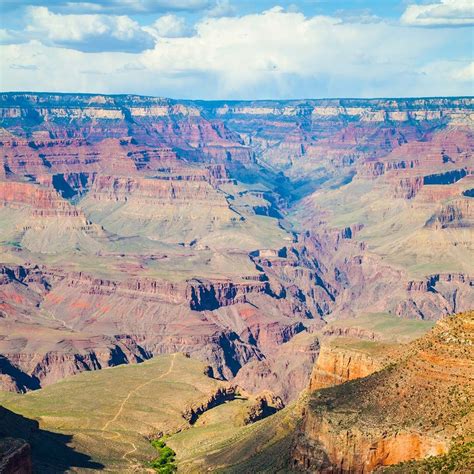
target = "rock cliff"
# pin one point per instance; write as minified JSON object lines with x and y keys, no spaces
{"x":339,"y":363}
{"x":15,"y":456}
{"x":413,"y":408}
{"x":135,"y":226}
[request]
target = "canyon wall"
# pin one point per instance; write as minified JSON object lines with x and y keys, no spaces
{"x":134,"y":226}
{"x":403,"y":412}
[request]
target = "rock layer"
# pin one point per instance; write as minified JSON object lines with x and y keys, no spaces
{"x":411,"y":409}
{"x":137,"y":226}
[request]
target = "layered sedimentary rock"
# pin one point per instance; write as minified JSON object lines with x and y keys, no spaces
{"x":410,"y":410}
{"x":137,"y":226}
{"x":173,"y":317}
{"x":336,"y":365}
{"x":45,"y":201}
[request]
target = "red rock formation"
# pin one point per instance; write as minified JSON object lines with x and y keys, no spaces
{"x":393,"y":415}
{"x":108,"y":187}
{"x":44,"y":202}
{"x":354,"y":452}
{"x":112,"y":188}
{"x":336,"y":365}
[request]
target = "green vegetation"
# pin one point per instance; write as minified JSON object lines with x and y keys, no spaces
{"x":165,"y":462}
{"x":12,"y":243}
{"x":110,"y":414}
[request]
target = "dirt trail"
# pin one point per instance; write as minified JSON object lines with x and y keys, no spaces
{"x":122,"y":405}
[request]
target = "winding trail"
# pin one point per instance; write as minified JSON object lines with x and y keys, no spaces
{"x":124,"y":402}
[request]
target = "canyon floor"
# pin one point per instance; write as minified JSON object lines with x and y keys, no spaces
{"x":190,"y":271}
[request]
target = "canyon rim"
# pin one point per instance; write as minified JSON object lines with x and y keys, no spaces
{"x":236,"y":237}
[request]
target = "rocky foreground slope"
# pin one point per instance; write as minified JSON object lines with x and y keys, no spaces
{"x":136,"y":226}
{"x":419,"y":405}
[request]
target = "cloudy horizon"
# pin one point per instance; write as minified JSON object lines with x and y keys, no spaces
{"x":224,"y":49}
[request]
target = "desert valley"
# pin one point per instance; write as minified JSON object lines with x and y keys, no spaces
{"x":236,"y":286}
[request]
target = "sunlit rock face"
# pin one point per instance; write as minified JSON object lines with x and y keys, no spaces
{"x":401,"y":413}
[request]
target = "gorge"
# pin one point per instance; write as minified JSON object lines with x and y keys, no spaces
{"x":306,"y":254}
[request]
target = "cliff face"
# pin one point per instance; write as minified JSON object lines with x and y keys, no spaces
{"x":137,"y":226}
{"x":353,"y":452}
{"x":15,"y":456}
{"x":336,"y":365}
{"x":43,"y":202}
{"x":174,"y":317}
{"x":50,"y":105}
{"x":409,"y":410}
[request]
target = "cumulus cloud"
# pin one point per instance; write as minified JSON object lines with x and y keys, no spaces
{"x":169,"y":26}
{"x":442,"y":13}
{"x":264,"y":48}
{"x":274,"y":54}
{"x":89,"y":32}
{"x":222,"y":8}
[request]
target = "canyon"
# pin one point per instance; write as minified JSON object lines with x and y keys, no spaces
{"x":289,"y":246}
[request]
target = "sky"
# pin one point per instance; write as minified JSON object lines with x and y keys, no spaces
{"x":239,"y":49}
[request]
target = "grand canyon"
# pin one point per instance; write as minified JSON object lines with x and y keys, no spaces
{"x":236,"y":286}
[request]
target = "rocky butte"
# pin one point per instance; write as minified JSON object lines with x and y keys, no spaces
{"x":286,"y":245}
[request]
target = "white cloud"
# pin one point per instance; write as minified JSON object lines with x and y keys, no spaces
{"x":6,"y":37}
{"x":169,"y":26}
{"x":87,"y":32}
{"x":442,"y":13}
{"x":222,"y":8}
{"x":244,"y":51}
{"x":274,"y":54}
{"x":464,"y":74}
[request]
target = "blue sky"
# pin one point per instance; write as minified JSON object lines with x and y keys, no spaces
{"x":247,"y":49}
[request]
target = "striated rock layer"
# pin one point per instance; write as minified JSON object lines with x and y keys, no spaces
{"x":411,"y":409}
{"x":134,"y":226}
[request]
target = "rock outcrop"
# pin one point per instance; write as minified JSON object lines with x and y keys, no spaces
{"x":15,"y":456}
{"x":265,"y":404}
{"x":339,"y":363}
{"x":411,"y":409}
{"x":223,"y":394}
